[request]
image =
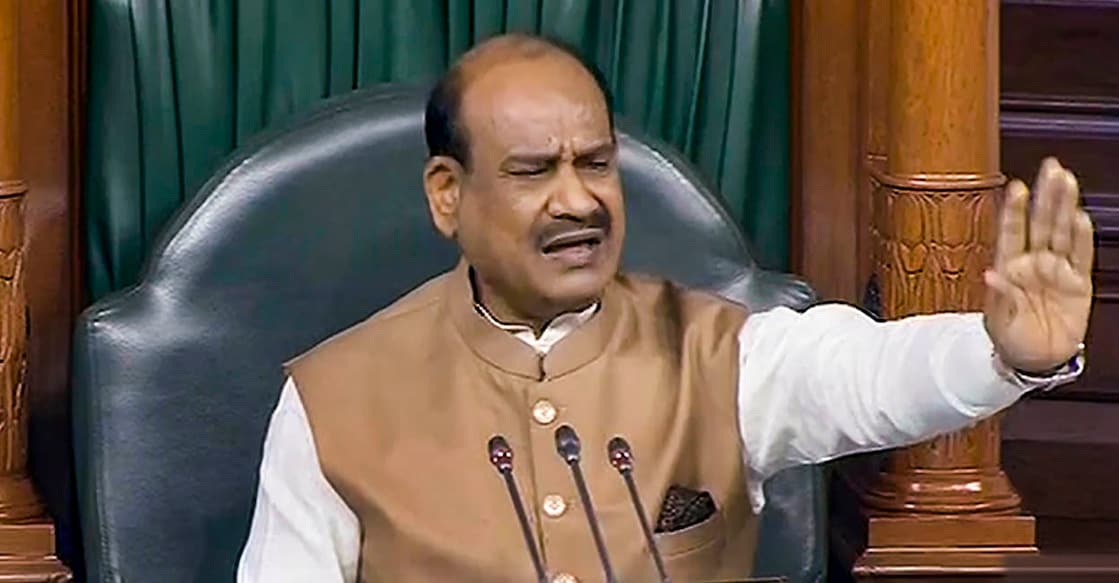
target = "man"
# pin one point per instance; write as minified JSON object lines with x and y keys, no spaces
{"x":373,"y":466}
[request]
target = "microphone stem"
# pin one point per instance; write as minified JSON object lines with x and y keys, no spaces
{"x":627,"y":475}
{"x":522,"y":518}
{"x":599,"y":544}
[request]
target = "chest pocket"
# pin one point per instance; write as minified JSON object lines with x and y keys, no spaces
{"x":694,"y":553}
{"x":719,"y":548}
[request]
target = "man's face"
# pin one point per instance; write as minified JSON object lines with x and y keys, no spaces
{"x":539,"y":211}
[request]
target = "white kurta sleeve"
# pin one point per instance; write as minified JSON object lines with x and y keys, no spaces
{"x":829,"y":382}
{"x":302,"y":530}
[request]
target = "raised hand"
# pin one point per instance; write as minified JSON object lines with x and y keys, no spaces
{"x":1040,"y":286}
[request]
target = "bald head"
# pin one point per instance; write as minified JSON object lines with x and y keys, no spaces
{"x":523,"y":176}
{"x":506,"y":58}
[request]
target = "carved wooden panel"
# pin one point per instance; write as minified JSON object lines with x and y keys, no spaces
{"x":1085,"y":141}
{"x":934,"y":244}
{"x":1060,"y":96}
{"x":935,"y":236}
{"x":1060,"y":454}
{"x":1055,"y":51}
{"x":13,"y":334}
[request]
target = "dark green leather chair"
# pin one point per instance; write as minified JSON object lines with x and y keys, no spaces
{"x":303,"y":233}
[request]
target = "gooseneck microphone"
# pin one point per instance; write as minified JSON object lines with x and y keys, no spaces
{"x":621,"y":457}
{"x":501,"y":456}
{"x":568,"y":447}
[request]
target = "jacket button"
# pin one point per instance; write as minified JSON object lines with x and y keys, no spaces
{"x":564,"y":578}
{"x":554,"y":505}
{"x":544,"y":412}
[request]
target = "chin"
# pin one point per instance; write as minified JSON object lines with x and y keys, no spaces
{"x":576,"y":290}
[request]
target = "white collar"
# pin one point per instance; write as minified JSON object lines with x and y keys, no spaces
{"x":553,"y":332}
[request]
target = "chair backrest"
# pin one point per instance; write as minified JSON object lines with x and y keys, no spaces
{"x":301,"y":234}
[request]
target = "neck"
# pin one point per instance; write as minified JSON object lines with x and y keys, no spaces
{"x":506,"y":313}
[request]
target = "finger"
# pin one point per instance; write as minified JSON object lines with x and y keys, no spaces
{"x":1003,"y":287}
{"x":1047,"y":265}
{"x":1022,"y":273}
{"x":1083,"y":244}
{"x":1047,"y":189}
{"x":1061,"y":241}
{"x":1069,"y":280}
{"x":1012,"y":223}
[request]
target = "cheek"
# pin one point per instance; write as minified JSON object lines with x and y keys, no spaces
{"x":499,"y":215}
{"x":614,"y":201}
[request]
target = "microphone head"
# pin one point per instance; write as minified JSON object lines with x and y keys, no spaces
{"x":501,"y":455}
{"x":567,"y":444}
{"x":621,"y":456}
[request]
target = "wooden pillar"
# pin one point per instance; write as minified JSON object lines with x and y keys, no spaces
{"x":825,"y":158}
{"x":935,"y":199}
{"x":26,"y":537}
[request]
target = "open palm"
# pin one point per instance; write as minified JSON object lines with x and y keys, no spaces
{"x":1040,"y":286}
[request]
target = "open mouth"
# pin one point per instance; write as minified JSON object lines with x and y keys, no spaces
{"x":581,"y":240}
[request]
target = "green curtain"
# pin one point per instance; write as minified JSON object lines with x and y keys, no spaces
{"x":176,"y":85}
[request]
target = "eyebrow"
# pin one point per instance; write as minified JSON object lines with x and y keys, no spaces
{"x":531,"y":157}
{"x":527,"y":156}
{"x":597,"y":149}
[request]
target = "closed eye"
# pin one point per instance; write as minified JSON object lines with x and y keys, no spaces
{"x":596,"y":165}
{"x":529,"y":172}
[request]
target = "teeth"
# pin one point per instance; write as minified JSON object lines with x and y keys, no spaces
{"x":570,"y":244}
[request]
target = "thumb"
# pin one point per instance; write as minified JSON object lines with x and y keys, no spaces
{"x":1002,"y":288}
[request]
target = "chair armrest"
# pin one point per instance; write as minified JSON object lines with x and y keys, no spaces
{"x":760,"y":290}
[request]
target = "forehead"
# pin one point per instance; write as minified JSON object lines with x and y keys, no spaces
{"x":542,"y":101}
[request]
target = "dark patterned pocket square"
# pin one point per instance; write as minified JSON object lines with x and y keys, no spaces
{"x":684,"y":507}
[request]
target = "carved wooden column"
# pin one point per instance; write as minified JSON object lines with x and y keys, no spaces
{"x":26,"y":536}
{"x":935,"y":201}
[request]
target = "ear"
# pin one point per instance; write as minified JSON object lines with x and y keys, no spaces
{"x":443,"y":177}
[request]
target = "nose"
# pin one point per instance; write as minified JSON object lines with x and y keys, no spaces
{"x":571,"y":198}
